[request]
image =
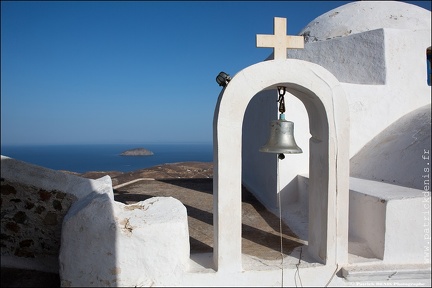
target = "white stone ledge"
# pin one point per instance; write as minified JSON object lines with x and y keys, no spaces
{"x":386,"y":272}
{"x":388,"y":221}
{"x":383,"y":191}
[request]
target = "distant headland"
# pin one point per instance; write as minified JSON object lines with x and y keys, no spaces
{"x":137,"y":152}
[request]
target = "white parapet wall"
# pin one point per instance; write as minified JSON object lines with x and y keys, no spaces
{"x":107,"y":243}
{"x":388,"y":224}
{"x":61,"y":223}
{"x":34,"y":201}
{"x":389,"y":219}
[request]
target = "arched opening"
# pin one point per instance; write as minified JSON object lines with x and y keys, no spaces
{"x":261,"y":224}
{"x":326,"y":105}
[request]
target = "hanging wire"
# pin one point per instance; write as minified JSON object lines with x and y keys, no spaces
{"x":280,"y":225}
{"x":297,"y":273}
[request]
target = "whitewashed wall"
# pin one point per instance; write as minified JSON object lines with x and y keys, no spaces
{"x":380,"y":60}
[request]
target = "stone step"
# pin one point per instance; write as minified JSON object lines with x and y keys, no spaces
{"x":379,"y":272}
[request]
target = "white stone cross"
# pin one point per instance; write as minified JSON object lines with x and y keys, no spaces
{"x":280,"y":42}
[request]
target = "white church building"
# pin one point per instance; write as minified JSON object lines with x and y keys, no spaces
{"x":358,"y":92}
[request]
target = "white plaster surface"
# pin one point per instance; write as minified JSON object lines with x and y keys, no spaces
{"x":381,"y":62}
{"x":357,"y":58}
{"x":107,"y":243}
{"x":48,"y":179}
{"x":325,"y":102}
{"x":388,"y":275}
{"x":381,"y":65}
{"x":397,"y":155}
{"x":362,"y":16}
{"x":383,"y":73}
{"x":375,"y":217}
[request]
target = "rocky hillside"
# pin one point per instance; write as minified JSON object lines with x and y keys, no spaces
{"x":164,"y":171}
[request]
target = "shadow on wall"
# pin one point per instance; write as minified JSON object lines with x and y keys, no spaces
{"x":88,"y":254}
{"x":395,"y":155}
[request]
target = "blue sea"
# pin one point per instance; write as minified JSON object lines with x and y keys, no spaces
{"x":106,"y":157}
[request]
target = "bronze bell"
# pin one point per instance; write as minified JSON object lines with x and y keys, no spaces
{"x":281,"y":139}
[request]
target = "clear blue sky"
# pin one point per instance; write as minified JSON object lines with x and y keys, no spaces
{"x":129,"y":72}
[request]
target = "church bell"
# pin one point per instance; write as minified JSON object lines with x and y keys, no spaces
{"x":281,"y":139}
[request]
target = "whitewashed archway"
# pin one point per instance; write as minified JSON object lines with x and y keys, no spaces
{"x":328,"y":112}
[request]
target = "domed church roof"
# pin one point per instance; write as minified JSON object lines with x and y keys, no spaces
{"x":361,"y":16}
{"x":399,"y":154}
